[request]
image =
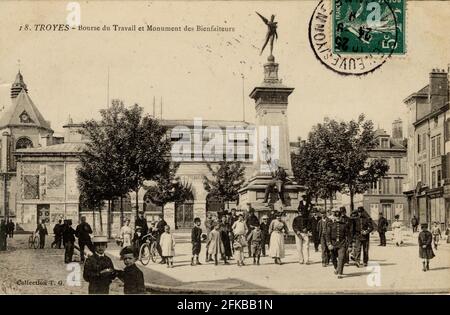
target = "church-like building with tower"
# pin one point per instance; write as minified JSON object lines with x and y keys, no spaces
{"x":39,"y":180}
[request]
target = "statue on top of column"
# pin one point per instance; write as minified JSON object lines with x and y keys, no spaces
{"x":271,"y":33}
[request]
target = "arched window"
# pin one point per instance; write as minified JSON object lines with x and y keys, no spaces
{"x":24,"y":143}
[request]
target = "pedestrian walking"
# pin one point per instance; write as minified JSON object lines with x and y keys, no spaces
{"x":3,"y":235}
{"x":414,"y":223}
{"x":302,"y":229}
{"x":196,"y":240}
{"x":58,"y":234}
{"x":215,"y":245}
{"x":68,"y":238}
{"x":436,"y":232}
{"x":397,"y":231}
{"x":131,"y":276}
{"x":425,"y":247}
{"x":337,"y":238}
{"x":126,"y":234}
{"x":167,"y":244}
{"x":382,"y":228}
{"x":314,"y":231}
{"x":277,"y":229}
{"x":348,"y":221}
{"x":83,"y":233}
{"x":42,"y":232}
{"x":99,"y":269}
{"x":363,"y":225}
{"x":255,"y":240}
{"x":322,"y":231}
{"x":11,"y":228}
{"x":265,"y":236}
{"x":251,"y":222}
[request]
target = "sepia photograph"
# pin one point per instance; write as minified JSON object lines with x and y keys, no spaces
{"x":245,"y":149}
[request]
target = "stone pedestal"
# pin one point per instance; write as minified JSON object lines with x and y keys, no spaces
{"x":271,"y":101}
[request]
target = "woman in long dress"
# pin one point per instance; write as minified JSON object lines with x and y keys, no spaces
{"x":126,"y":234}
{"x":397,"y":230}
{"x":277,"y":229}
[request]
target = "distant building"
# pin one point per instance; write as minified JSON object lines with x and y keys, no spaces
{"x":386,"y":195}
{"x":427,"y":188}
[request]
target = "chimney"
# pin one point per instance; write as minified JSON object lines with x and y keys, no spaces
{"x":397,"y":129}
{"x":438,"y":95}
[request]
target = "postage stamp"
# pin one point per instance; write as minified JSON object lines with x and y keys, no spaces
{"x":321,"y":41}
{"x":369,"y":26}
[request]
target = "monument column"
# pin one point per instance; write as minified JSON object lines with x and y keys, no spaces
{"x":271,"y":102}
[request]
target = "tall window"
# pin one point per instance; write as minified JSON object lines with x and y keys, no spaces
{"x":424,"y":141}
{"x":419,"y":143}
{"x":384,"y":143}
{"x":438,"y":145}
{"x":385,"y":186}
{"x":433,"y":178}
{"x":433,"y":147}
{"x":398,"y":165}
{"x":398,"y":186}
{"x":439,"y":177}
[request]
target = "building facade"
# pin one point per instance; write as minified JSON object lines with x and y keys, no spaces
{"x":427,"y":187}
{"x":386,"y":195}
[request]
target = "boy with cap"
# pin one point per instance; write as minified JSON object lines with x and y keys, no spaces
{"x":131,"y":276}
{"x":99,"y":269}
{"x":425,"y":248}
{"x":196,"y":239}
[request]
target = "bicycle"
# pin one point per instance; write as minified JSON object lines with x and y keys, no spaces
{"x":148,"y":251}
{"x":33,"y":241}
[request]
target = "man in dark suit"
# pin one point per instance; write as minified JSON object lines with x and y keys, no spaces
{"x":314,"y":231}
{"x":251,"y":222}
{"x":338,"y":237}
{"x":42,"y":231}
{"x":68,"y":237}
{"x":3,"y":234}
{"x":99,"y":269}
{"x":322,"y":231}
{"x":11,"y":228}
{"x":382,"y":228}
{"x":57,"y":231}
{"x":83,"y":232}
{"x":142,"y":222}
{"x":362,"y":227}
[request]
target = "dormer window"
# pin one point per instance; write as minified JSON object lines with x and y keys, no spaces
{"x":384,"y":143}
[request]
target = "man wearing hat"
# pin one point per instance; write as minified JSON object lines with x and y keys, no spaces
{"x":264,"y":233}
{"x":68,"y":238}
{"x":337,"y":238}
{"x":99,"y":269}
{"x":322,"y":231}
{"x":382,"y":228}
{"x":251,"y":222}
{"x":363,"y":225}
{"x":314,"y":231}
{"x":83,"y":232}
{"x":142,"y":222}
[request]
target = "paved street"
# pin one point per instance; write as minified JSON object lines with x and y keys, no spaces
{"x":400,"y":271}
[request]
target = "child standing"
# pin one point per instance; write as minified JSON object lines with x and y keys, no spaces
{"x":196,"y":239}
{"x":215,"y":245}
{"x":167,"y":243}
{"x":255,"y":240}
{"x":436,"y":231}
{"x":238,"y":246}
{"x":425,"y":248}
{"x":131,"y":276}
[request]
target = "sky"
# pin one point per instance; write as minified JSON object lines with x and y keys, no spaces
{"x":198,"y":74}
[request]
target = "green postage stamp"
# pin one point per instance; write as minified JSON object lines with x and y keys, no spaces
{"x":369,"y":27}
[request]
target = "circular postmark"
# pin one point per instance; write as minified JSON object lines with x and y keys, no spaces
{"x":355,"y":63}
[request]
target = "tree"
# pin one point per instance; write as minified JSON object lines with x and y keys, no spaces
{"x":335,"y":158}
{"x":225,"y":182}
{"x":124,"y":148}
{"x":167,"y":187}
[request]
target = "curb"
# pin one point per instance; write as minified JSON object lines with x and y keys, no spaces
{"x":155,"y":288}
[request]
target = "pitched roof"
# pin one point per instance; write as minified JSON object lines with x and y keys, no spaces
{"x":23,"y":103}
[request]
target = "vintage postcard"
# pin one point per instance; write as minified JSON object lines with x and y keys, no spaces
{"x":224,"y":147}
